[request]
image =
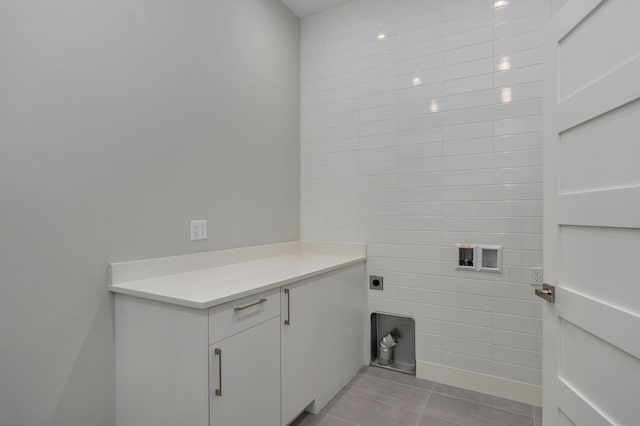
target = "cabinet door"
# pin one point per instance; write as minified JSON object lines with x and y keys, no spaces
{"x":343,"y":308}
{"x":298,"y":316}
{"x":245,"y":377}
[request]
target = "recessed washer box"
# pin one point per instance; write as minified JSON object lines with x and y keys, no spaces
{"x":490,"y":258}
{"x":467,"y":257}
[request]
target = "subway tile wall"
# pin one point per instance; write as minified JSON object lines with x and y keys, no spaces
{"x":421,"y":127}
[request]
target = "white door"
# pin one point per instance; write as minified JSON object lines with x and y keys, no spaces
{"x":245,"y":377}
{"x":592,"y":214}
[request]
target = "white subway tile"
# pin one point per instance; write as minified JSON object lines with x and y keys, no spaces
{"x":466,"y":177}
{"x":421,"y":194}
{"x":376,"y":60}
{"x":523,"y":25}
{"x":467,"y":115}
{"x":466,"y":285}
{"x":517,"y":76}
{"x":468,"y":69}
{"x":517,"y":109}
{"x":468,"y":100}
{"x":467,"y":224}
{"x":519,"y":241}
{"x":416,"y":295}
{"x":378,"y":114}
{"x":379,"y":127}
{"x":530,"y":191}
{"x":518,"y":373}
{"x":469,"y":22}
{"x":512,"y":290}
{"x":468,"y":53}
{"x":420,"y":165}
{"x":518,"y":125}
{"x":467,"y":332}
{"x":467,"y":301}
{"x":518,"y":142}
{"x":466,"y":317}
{"x":377,"y":101}
{"x":468,"y":146}
{"x":419,"y":252}
{"x":428,"y":282}
{"x":517,"y":159}
{"x":467,"y":208}
{"x":517,"y":307}
{"x":379,"y":155}
{"x":468,"y":84}
{"x":420,"y":237}
{"x":433,"y":149}
{"x":468,"y":162}
{"x":380,"y":168}
{"x":421,"y":63}
{"x":420,"y":310}
{"x":417,"y":223}
{"x":522,"y":258}
{"x":454,"y":10}
{"x":467,"y":347}
{"x":467,"y":38}
{"x":517,"y":208}
{"x":421,"y":136}
{"x":524,"y":58}
{"x":517,"y":323}
{"x":428,"y":208}
{"x":470,"y":131}
{"x":517,"y":43}
{"x":516,"y":340}
{"x":519,"y":9}
{"x":433,"y":341}
{"x":464,"y":362}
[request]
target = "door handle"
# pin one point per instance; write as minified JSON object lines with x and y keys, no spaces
{"x":547,"y":292}
{"x":288,"y":320}
{"x":218,"y":352}
{"x":242,"y":308}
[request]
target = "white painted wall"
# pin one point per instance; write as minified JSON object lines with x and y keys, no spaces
{"x":119,"y":122}
{"x":421,"y":127}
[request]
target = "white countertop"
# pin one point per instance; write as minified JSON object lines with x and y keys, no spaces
{"x":204,"y":280}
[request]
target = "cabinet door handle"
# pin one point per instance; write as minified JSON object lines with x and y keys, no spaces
{"x":288,"y":320}
{"x":242,"y":308}
{"x":218,"y":352}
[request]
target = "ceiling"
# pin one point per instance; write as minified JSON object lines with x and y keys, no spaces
{"x":304,"y":8}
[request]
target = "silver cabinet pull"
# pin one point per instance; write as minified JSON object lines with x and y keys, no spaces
{"x":288,"y":320}
{"x":218,"y":352}
{"x":547,"y":292}
{"x":242,"y":308}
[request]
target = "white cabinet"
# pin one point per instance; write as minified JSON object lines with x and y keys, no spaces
{"x":245,"y":377}
{"x":341,"y":342}
{"x":324,"y":344}
{"x":299,"y":323}
{"x":171,"y":359}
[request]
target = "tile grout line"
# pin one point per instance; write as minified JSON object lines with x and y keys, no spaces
{"x":424,"y":407}
{"x":484,"y":404}
{"x":344,"y":420}
{"x":381,"y":401}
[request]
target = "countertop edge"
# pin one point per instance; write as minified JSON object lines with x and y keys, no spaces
{"x":115,"y":288}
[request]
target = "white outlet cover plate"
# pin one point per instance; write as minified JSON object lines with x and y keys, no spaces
{"x":198,"y":230}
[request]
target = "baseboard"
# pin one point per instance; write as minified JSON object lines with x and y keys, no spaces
{"x":492,"y":385}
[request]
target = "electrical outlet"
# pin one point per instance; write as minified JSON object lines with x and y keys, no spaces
{"x":198,"y":230}
{"x":536,"y":276}
{"x":376,"y":282}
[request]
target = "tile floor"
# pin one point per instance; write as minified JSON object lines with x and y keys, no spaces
{"x":382,"y":397}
